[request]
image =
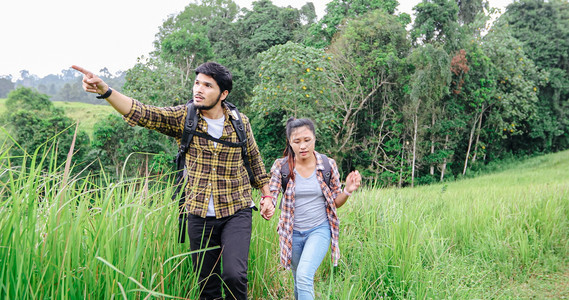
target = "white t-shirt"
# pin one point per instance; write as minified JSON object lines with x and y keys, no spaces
{"x":215,"y":129}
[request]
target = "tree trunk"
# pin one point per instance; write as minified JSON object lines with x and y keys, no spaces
{"x":432,"y":170}
{"x":444,"y":166}
{"x":477,"y":135}
{"x":401,"y":165}
{"x":469,"y":146}
{"x":415,"y":129}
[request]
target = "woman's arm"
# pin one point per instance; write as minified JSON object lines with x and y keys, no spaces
{"x":353,"y":182}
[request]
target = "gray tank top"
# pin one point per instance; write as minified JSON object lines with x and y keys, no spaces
{"x":309,"y":203}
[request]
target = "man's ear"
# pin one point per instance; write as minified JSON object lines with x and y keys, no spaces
{"x":224,"y":94}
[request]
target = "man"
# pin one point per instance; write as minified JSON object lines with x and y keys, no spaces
{"x":218,"y":190}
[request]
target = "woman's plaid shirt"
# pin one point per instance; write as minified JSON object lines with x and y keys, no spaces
{"x":287,"y":214}
{"x":210,"y":170}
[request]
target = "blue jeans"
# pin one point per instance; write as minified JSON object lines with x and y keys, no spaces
{"x":308,"y":250}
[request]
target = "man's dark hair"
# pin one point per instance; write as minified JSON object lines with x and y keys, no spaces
{"x":219,"y":73}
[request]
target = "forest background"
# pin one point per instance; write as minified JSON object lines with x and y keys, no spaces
{"x":404,"y":102}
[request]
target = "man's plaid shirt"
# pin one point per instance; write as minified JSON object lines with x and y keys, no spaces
{"x":217,"y":171}
{"x":286,"y":221}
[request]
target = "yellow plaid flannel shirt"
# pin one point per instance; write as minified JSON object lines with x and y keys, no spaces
{"x":210,"y":170}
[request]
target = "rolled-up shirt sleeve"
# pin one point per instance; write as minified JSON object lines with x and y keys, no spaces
{"x":166,"y":120}
{"x":260,"y":174}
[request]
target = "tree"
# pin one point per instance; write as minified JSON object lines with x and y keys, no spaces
{"x":29,"y":100}
{"x":115,"y":141}
{"x":186,"y":50}
{"x":259,"y":29}
{"x":468,"y":9}
{"x":477,"y":99}
{"x":437,"y":22}
{"x":293,"y":83}
{"x":543,"y":29}
{"x":368,"y":67}
{"x":6,"y":85}
{"x":197,"y":16}
{"x":35,"y":124}
{"x":515,"y":104}
{"x":157,"y":83}
{"x":337,"y":11}
{"x":429,"y":84}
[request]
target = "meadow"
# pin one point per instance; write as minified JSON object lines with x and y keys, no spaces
{"x":498,"y":236}
{"x":86,"y":114}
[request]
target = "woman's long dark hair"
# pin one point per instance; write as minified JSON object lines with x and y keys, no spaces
{"x":291,"y":124}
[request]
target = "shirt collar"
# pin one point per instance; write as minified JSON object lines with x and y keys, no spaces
{"x":226,"y":112}
{"x":319,"y":161}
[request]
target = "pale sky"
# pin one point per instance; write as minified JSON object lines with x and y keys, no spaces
{"x":47,"y":36}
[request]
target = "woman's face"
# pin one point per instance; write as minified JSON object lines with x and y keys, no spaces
{"x":302,"y":141}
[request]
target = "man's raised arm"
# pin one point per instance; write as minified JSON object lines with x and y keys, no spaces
{"x":93,"y":84}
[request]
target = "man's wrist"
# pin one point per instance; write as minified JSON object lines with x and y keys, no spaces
{"x":107,"y":94}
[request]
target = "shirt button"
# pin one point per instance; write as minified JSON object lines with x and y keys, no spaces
{"x":209,"y":184}
{"x":214,"y":169}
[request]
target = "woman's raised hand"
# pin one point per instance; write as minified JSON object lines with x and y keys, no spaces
{"x":353,"y":181}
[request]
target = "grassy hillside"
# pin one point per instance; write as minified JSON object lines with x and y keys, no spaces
{"x":499,"y":236}
{"x":86,"y":114}
{"x":2,"y":105}
{"x":503,"y":235}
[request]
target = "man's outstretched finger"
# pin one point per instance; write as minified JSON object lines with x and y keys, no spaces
{"x":85,"y":72}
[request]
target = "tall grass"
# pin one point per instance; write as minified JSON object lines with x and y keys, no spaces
{"x":86,"y":237}
{"x":477,"y":238}
{"x":90,"y":238}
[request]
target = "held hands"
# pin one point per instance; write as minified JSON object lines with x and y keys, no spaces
{"x":91,"y":82}
{"x":267,"y":207}
{"x":353,"y":181}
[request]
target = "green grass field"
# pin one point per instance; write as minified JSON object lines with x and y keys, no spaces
{"x":498,"y":236}
{"x":84,"y":113}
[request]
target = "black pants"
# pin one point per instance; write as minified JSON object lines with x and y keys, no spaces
{"x":233,"y":235}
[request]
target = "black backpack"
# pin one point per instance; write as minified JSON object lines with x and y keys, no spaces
{"x":189,"y":131}
{"x":285,"y":174}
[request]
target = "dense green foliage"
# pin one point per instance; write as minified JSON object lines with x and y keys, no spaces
{"x":404,"y":103}
{"x":36,"y":126}
{"x":87,"y":237}
{"x":403,"y":108}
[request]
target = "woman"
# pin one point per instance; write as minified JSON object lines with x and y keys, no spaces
{"x":308,"y":221}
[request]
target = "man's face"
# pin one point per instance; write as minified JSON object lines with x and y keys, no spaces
{"x":206,"y":92}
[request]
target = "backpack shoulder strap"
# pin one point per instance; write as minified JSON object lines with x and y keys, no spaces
{"x":239,"y":127}
{"x":190,"y":125}
{"x":189,"y":129}
{"x":285,"y":172}
{"x":327,"y":173}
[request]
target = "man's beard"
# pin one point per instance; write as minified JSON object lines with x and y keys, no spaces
{"x":208,"y":107}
